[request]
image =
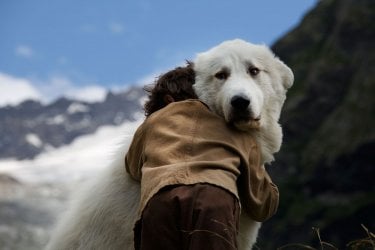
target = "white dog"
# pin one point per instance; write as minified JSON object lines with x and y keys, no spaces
{"x":244,"y":83}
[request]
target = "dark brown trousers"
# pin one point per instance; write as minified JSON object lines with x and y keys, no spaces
{"x":189,"y":217}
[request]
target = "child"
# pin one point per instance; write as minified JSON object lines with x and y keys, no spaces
{"x":193,"y":169}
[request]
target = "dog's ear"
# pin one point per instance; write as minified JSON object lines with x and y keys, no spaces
{"x":287,"y":76}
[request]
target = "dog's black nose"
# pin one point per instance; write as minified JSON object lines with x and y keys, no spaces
{"x":239,"y":102}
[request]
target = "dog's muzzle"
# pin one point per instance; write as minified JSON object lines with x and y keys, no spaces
{"x":241,"y":115}
{"x":240,"y":103}
{"x":240,"y":108}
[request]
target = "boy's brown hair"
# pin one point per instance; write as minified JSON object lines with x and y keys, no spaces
{"x":175,"y":85}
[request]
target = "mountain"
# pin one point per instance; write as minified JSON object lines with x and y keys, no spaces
{"x":30,"y":128}
{"x":326,"y":168}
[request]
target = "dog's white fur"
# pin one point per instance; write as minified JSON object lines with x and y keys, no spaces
{"x":104,"y":215}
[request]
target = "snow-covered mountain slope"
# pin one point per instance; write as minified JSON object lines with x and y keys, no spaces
{"x":30,"y":128}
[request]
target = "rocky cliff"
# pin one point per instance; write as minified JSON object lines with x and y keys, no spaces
{"x":326,"y":168}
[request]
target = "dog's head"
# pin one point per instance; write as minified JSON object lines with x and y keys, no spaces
{"x":243,"y":82}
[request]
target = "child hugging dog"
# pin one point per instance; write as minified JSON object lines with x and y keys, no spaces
{"x":197,"y":172}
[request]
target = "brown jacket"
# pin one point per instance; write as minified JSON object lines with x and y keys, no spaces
{"x":186,"y":143}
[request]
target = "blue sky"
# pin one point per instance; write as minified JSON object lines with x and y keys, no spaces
{"x":65,"y":46}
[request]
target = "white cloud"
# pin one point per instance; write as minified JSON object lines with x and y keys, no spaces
{"x":116,"y":28}
{"x":24,"y":51}
{"x":91,"y":93}
{"x":53,"y":88}
{"x":58,"y":86}
{"x":14,"y":90}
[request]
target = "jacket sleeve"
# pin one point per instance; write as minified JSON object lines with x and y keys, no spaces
{"x":259,"y":195}
{"x":134,"y":157}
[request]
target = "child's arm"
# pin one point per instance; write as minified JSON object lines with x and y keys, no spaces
{"x":261,"y":196}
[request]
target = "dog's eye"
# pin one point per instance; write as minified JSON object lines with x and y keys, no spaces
{"x":222,"y":75}
{"x":253,"y":71}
